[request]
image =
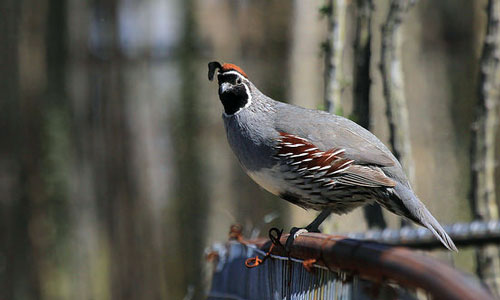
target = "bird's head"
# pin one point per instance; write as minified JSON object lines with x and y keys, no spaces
{"x":234,"y":86}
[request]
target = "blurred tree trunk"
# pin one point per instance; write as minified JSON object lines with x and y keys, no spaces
{"x":391,"y":68}
{"x":30,"y":218}
{"x":191,"y":205}
{"x":304,"y":61}
{"x":36,"y":134}
{"x":118,"y":226}
{"x":126,"y":252}
{"x":335,"y":11}
{"x":393,"y":84}
{"x":362,"y":57}
{"x":115,"y":191}
{"x":35,"y":219}
{"x":90,"y":247}
{"x":19,"y":279}
{"x":32,"y":79}
{"x":110,"y":138}
{"x":361,"y":88}
{"x":483,"y":164}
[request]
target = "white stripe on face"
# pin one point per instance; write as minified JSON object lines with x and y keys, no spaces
{"x":235,"y":73}
{"x":247,"y":89}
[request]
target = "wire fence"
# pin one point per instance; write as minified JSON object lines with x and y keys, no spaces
{"x":319,"y":266}
{"x":286,"y":278}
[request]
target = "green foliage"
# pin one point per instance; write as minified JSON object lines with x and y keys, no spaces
{"x":324,"y":46}
{"x":321,"y":107}
{"x":354,"y":118}
{"x":339,"y":110}
{"x":325,"y":10}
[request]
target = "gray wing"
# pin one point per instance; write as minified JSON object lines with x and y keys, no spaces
{"x":328,"y":131}
{"x":312,"y":168}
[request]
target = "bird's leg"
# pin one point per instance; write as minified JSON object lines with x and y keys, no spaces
{"x":275,"y":236}
{"x":313,"y":227}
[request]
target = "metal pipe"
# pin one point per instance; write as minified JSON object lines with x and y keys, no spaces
{"x":374,"y":261}
{"x":477,"y":233}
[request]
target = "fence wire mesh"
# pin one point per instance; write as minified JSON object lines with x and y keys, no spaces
{"x":286,"y":278}
{"x":320,"y":266}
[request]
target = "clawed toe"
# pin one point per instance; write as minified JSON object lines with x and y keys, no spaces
{"x":299,"y":232}
{"x":275,"y":235}
{"x":294,"y":233}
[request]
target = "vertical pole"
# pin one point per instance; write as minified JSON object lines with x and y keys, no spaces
{"x":484,"y":202}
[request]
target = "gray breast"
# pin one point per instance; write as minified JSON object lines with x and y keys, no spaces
{"x":252,"y":139}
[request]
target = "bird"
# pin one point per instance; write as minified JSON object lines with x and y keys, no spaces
{"x":312,"y":158}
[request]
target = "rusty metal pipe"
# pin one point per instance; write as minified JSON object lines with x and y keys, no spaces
{"x":374,"y":261}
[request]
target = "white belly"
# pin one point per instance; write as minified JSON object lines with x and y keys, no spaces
{"x":269,"y":180}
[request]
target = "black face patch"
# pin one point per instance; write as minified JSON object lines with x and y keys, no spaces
{"x":235,"y":95}
{"x":234,"y":98}
{"x":231,"y":78}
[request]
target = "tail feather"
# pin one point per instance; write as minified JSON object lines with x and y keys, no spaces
{"x":433,"y":225}
{"x":411,"y":207}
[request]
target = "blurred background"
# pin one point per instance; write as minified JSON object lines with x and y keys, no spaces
{"x":115,"y":173}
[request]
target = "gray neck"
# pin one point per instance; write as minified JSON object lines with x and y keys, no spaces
{"x":251,"y":132}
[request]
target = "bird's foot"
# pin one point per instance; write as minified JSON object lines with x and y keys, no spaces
{"x":275,"y":236}
{"x":298,"y":232}
{"x":295,"y":232}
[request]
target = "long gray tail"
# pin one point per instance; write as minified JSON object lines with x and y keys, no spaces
{"x":433,"y":225}
{"x":415,"y":210}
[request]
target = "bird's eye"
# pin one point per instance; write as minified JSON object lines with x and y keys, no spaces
{"x":238,"y":81}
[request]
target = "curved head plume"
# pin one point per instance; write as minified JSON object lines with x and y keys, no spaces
{"x":214,"y":65}
{"x":234,"y":87}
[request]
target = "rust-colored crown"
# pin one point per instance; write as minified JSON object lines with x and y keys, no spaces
{"x":231,"y":67}
{"x":214,"y":65}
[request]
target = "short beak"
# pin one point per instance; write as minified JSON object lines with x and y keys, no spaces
{"x":223,"y":87}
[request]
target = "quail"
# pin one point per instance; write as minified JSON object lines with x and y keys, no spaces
{"x":311,"y":158}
